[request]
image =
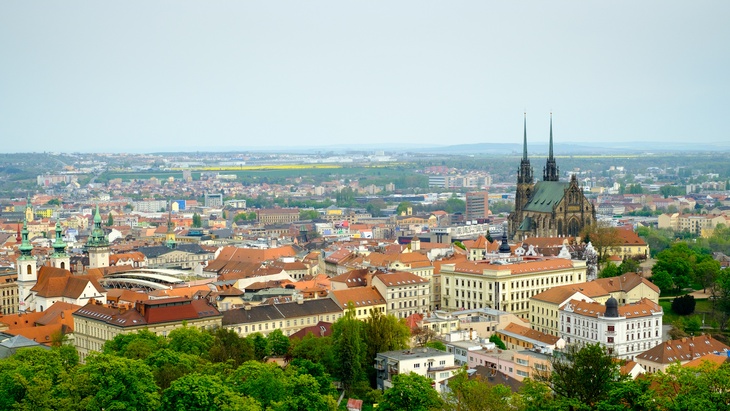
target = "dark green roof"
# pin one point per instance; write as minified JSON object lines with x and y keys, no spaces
{"x":526,"y":224}
{"x":546,"y":195}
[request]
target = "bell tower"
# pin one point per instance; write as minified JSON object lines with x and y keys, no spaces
{"x":97,"y":245}
{"x":59,"y":258}
{"x":27,"y":270}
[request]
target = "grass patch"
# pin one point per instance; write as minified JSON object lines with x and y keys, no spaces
{"x":703,"y":305}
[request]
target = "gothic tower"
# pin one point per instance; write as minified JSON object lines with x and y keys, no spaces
{"x":525,"y":184}
{"x":59,"y":258}
{"x":27,"y":270}
{"x":550,"y":172}
{"x":97,"y":245}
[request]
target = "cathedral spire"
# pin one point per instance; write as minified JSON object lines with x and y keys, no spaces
{"x":550,"y":172}
{"x":524,"y":175}
{"x":524,"y":140}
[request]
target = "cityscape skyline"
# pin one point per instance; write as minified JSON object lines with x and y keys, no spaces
{"x":183,"y":76}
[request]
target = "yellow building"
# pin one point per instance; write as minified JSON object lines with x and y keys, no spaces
{"x":505,"y":284}
{"x":363,"y":300}
{"x":96,"y":323}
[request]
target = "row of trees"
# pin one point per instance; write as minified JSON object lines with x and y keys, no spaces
{"x":198,"y":370}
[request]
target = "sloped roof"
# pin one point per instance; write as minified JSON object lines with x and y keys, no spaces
{"x":58,"y":282}
{"x":683,"y":350}
{"x":359,"y":296}
{"x":255,"y":255}
{"x":559,"y":294}
{"x":529,"y":333}
{"x":546,"y":195}
{"x":321,"y":329}
{"x":352,"y":278}
{"x":281,"y":311}
{"x":625,"y":282}
{"x":399,"y":278}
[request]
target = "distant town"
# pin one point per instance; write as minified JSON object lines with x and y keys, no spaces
{"x":527,"y":280}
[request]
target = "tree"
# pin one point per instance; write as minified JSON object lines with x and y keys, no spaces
{"x":303,"y":394}
{"x":190,"y":340}
{"x":403,"y":208}
{"x":410,"y":392}
{"x":585,"y":375}
{"x":684,"y":305}
{"x":204,"y":392}
{"x":277,"y":343}
{"x":316,"y":349}
{"x":603,"y":237}
{"x":109,"y":220}
{"x":629,"y":265}
{"x":265,"y":382}
{"x":609,"y":270}
{"x":229,"y":346}
{"x":168,"y":365}
{"x":455,"y":205}
{"x":436,"y":344}
{"x":23,"y":374}
{"x":197,"y":221}
{"x":308,"y":215}
{"x":706,"y":387}
{"x":494,"y":338}
{"x":383,"y":333}
{"x":679,"y":261}
{"x":423,"y":335}
{"x":706,"y":272}
{"x":467,"y":394}
{"x":260,"y":345}
{"x":663,"y":280}
{"x":115,"y":383}
{"x":54,"y":201}
{"x":349,"y":349}
{"x":137,"y":345}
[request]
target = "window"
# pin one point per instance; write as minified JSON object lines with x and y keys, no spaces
{"x":417,"y":365}
{"x":611,"y":328}
{"x":522,"y":373}
{"x":610,"y":339}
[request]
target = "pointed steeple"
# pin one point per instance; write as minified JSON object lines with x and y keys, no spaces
{"x":524,"y":175}
{"x":550,"y":172}
{"x":26,"y":248}
{"x":524,"y":140}
{"x":59,"y":246}
{"x":97,"y":237}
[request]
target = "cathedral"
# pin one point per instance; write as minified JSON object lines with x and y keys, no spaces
{"x":548,"y":208}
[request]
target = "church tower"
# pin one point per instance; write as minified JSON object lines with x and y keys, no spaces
{"x":27,"y":270}
{"x":59,"y":258}
{"x":551,"y":172}
{"x":97,"y":245}
{"x":525,"y":185}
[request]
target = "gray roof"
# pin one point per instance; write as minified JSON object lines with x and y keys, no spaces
{"x":281,"y":311}
{"x":421,"y":352}
{"x":158,"y":250}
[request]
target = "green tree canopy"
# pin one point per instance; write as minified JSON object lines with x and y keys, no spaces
{"x":410,"y":392}
{"x":204,"y":392}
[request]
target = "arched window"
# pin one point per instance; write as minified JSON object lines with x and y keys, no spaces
{"x":29,"y":270}
{"x":63,"y":265}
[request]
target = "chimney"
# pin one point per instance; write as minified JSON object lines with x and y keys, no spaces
{"x":247,"y":307}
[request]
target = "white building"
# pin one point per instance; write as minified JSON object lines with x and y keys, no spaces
{"x":428,"y":362}
{"x":625,"y":331}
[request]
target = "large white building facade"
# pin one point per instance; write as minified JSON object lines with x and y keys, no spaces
{"x":625,"y":331}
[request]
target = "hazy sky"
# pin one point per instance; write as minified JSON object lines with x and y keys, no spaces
{"x":185,"y":75}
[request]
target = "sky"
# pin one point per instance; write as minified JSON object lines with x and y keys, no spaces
{"x":140,"y":76}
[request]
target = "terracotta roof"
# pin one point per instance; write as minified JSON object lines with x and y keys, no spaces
{"x":399,"y":278}
{"x":641,"y":308}
{"x":715,"y":360}
{"x":57,"y":282}
{"x":520,"y":267}
{"x":352,"y":278}
{"x":528,"y":332}
{"x":559,"y":294}
{"x":359,"y":296}
{"x":255,"y":255}
{"x":629,"y":237}
{"x":625,"y":282}
{"x":184,"y":291}
{"x":149,"y":312}
{"x":321,"y":329}
{"x":683,"y":350}
{"x":338,"y":256}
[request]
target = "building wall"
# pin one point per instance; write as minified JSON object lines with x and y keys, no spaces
{"x":287,"y":326}
{"x":623,"y":337}
{"x":91,"y":334}
{"x":499,"y":289}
